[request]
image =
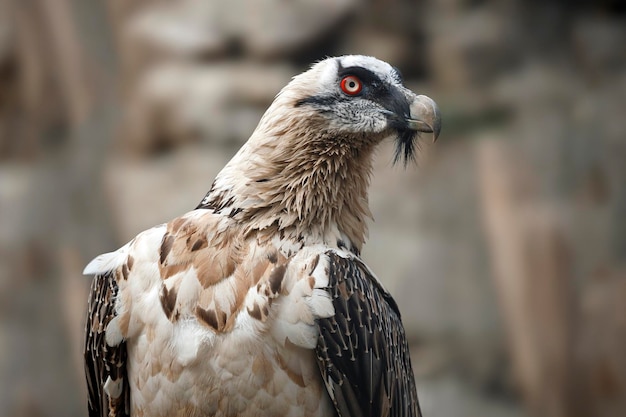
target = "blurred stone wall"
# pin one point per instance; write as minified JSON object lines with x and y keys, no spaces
{"x":505,"y":247}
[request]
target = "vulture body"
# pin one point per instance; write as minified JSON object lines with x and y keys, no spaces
{"x":257,"y":303}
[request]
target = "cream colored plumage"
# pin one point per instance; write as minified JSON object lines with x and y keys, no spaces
{"x":257,"y":303}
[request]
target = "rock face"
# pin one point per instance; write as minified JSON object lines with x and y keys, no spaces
{"x":263,"y":28}
{"x":116,"y":116}
{"x":178,"y":103}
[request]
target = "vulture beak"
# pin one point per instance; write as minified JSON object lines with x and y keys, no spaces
{"x":425,"y":116}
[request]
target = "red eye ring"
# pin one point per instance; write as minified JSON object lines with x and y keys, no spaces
{"x":351,"y":85}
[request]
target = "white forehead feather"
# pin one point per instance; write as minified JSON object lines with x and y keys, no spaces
{"x":328,"y":67}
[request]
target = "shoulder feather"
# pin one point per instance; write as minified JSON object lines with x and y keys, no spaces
{"x":107,"y":261}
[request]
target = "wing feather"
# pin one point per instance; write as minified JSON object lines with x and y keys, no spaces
{"x":362,"y":350}
{"x":105,"y":366}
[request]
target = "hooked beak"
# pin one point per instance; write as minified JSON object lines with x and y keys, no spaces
{"x":425,"y":116}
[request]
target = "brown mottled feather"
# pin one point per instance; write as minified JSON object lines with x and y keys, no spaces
{"x":223,"y":260}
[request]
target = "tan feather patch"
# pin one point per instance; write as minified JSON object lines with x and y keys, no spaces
{"x":220,"y":304}
{"x":125,"y":271}
{"x":296,"y":377}
{"x":212,"y":253}
{"x":210,"y":317}
{"x":168,"y":300}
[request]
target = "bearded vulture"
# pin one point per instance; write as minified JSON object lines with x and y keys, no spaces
{"x":257,"y":302}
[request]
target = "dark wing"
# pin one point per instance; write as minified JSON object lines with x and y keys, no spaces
{"x":362,"y":351}
{"x":101,"y":360}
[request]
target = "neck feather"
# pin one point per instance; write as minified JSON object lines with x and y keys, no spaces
{"x":315,"y":189}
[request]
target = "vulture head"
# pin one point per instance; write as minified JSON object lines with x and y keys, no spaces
{"x":364,"y":97}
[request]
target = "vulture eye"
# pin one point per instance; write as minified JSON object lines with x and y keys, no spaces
{"x":351,"y":85}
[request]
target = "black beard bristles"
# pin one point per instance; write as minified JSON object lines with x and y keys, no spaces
{"x":405,"y":147}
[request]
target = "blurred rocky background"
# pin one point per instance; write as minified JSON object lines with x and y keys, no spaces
{"x":505,"y":247}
